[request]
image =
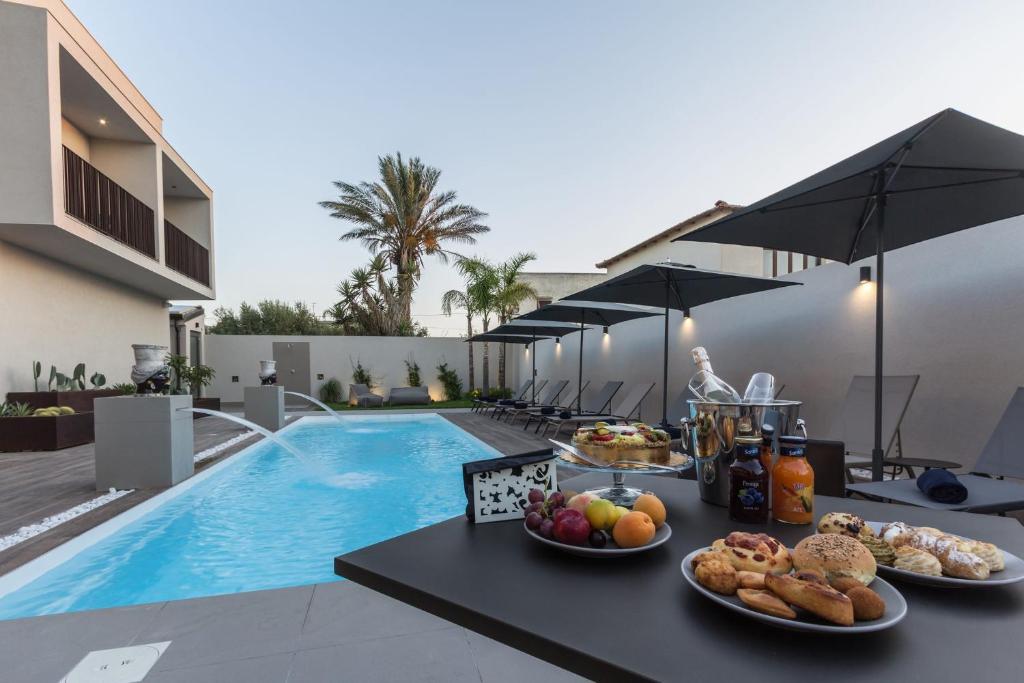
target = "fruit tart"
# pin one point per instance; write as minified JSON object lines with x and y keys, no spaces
{"x":612,"y":443}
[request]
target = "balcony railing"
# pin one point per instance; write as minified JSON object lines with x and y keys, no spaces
{"x":99,"y":202}
{"x":185,"y":255}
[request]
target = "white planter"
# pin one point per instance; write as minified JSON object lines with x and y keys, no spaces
{"x":268,"y":372}
{"x":150,"y":372}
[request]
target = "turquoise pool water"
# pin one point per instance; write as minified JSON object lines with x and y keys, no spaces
{"x":266,"y":520}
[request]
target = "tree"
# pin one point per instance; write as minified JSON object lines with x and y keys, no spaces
{"x":404,"y":218}
{"x":481,"y":284}
{"x":509,"y":294}
{"x":368,"y":304}
{"x":451,"y":300}
{"x":269,"y":317}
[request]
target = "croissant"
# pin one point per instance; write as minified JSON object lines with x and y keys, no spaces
{"x":992,"y":555}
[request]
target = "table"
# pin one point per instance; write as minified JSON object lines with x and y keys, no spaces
{"x":984,"y":494}
{"x":634,"y":618}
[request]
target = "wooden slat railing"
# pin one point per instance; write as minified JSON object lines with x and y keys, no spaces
{"x":185,"y":255}
{"x":99,"y":202}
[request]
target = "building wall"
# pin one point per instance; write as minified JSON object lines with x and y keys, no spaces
{"x":191,"y":216}
{"x":334,"y":356}
{"x":74,"y":139}
{"x":956,"y":322}
{"x":62,"y":316}
{"x":554,"y":286}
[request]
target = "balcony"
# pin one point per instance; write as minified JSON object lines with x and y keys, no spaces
{"x":185,"y":255}
{"x":102,"y":204}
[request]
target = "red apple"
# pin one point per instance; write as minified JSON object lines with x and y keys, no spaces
{"x":572,"y":527}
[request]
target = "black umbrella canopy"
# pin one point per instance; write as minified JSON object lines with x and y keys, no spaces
{"x":674,"y":286}
{"x":947,"y":173}
{"x":539,"y":328}
{"x":585,"y":313}
{"x":506,"y":338}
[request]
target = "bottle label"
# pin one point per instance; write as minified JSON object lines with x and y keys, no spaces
{"x":797,"y":498}
{"x":750,"y":496}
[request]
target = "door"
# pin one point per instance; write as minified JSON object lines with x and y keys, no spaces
{"x":293,"y":368}
{"x":194,"y":354}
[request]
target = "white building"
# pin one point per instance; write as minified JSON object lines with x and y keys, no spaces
{"x":101,"y":221}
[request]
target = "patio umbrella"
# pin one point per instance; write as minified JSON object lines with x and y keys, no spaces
{"x":947,"y":173}
{"x":512,"y":333}
{"x":668,"y":285}
{"x":585,"y":313}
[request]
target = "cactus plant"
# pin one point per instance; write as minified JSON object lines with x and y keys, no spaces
{"x":37,"y":370}
{"x":15,"y":410}
{"x":53,"y":376}
{"x":78,"y":376}
{"x":97,"y":380}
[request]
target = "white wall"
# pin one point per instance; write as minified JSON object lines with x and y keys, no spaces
{"x":954,"y":316}
{"x":61,"y":316}
{"x":191,"y":216}
{"x":74,"y":139}
{"x":334,"y":356}
{"x":554,"y":286}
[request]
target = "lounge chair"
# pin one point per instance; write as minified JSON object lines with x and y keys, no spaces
{"x":602,"y":402}
{"x":529,"y":386}
{"x":484,"y":402}
{"x":409,"y":396}
{"x":987,"y":491}
{"x":538,"y":412}
{"x":360,"y":395}
{"x":627,"y":408}
{"x":549,"y":398}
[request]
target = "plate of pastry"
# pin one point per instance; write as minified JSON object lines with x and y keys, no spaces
{"x":933,"y":557}
{"x":826,"y":584}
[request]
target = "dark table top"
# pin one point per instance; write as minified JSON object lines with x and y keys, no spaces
{"x":635,"y":618}
{"x":984,"y":494}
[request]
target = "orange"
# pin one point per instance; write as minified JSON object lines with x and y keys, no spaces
{"x":633,"y":530}
{"x":652,"y":505}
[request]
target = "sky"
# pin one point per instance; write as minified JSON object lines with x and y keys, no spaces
{"x":581,"y":128}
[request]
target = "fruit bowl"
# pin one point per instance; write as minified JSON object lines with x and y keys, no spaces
{"x":610,"y":550}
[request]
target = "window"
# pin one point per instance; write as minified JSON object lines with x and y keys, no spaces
{"x":543,"y":301}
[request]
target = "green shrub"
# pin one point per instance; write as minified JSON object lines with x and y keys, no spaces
{"x":126,"y":388}
{"x":330,"y":392}
{"x":361,"y":375}
{"x":15,"y":410}
{"x":450,"y":382}
{"x":412,"y":372}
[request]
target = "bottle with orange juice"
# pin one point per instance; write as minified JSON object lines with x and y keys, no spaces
{"x":793,"y":483}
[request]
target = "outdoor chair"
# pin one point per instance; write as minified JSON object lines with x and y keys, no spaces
{"x":483,"y":403}
{"x":530,"y":386}
{"x":828,"y":459}
{"x":549,"y":398}
{"x":856,"y":424}
{"x":601,"y":402}
{"x":538,"y":412}
{"x":409,"y":396}
{"x":628,"y":407}
{"x":360,"y":395}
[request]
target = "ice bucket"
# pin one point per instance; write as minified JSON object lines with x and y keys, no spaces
{"x":711,"y":432}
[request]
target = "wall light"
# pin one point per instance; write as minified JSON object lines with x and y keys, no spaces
{"x":865,"y":274}
{"x":686,"y":313}
{"x":103,"y":122}
{"x":606,"y":329}
{"x":558,"y":341}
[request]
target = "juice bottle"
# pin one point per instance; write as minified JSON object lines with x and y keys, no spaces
{"x":748,"y":483}
{"x":767,"y":437}
{"x":793,"y":483}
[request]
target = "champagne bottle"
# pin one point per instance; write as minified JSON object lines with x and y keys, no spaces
{"x":706,"y":385}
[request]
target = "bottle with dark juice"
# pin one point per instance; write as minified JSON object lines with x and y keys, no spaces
{"x":748,"y":482}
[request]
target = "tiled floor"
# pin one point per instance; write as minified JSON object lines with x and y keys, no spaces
{"x":323,"y":633}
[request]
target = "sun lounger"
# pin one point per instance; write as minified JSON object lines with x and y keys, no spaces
{"x":529,"y":387}
{"x":486,"y":402}
{"x":601,"y":403}
{"x":408,"y":396}
{"x":551,"y":397}
{"x":360,"y":395}
{"x":627,"y":408}
{"x":538,"y":412}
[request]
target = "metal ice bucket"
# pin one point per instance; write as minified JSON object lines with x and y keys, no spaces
{"x":711,"y":433}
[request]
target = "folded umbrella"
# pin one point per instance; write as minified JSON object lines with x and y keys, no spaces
{"x":942,"y":486}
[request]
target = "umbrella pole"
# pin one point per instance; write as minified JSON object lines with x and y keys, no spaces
{"x":533,"y":372}
{"x":579,"y":394}
{"x":664,"y":367}
{"x":877,"y":454}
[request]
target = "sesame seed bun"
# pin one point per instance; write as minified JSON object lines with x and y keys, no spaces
{"x":834,"y":555}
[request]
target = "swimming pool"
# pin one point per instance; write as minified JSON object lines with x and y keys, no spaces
{"x":260,"y":519}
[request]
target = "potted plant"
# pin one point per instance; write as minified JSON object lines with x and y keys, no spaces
{"x":190,"y":379}
{"x":49,"y":428}
{"x":63,"y":389}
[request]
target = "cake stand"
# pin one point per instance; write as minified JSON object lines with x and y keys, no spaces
{"x":618,"y":492}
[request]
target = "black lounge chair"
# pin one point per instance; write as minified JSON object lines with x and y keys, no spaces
{"x":539,"y":412}
{"x":626,"y":409}
{"x":485,"y":402}
{"x":550,"y":398}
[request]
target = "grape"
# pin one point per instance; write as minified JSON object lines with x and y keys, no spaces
{"x":597,"y":539}
{"x":535,"y":507}
{"x":536,"y":496}
{"x":556,"y":499}
{"x":534,"y":520}
{"x":546,"y":528}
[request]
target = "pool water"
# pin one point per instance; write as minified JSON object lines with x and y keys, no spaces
{"x":264,"y":519}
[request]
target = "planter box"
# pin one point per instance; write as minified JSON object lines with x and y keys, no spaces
{"x":208,"y":403}
{"x":80,"y":401}
{"x":45,"y":433}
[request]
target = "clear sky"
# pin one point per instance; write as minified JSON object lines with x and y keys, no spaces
{"x":580,"y":127}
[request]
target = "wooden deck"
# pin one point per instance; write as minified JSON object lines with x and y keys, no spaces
{"x":505,"y":438}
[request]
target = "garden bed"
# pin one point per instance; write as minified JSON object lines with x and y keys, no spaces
{"x":46,"y":433}
{"x":79,"y":401}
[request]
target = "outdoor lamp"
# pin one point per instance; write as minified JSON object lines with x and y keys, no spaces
{"x":686,"y":313}
{"x":865,"y":274}
{"x":558,"y":341}
{"x":606,"y":329}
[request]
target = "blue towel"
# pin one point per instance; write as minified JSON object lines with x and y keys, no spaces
{"x":942,"y":486}
{"x":565,"y":415}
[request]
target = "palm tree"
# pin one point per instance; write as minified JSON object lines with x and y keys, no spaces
{"x":451,"y":300}
{"x":368,"y":303}
{"x":403,"y":218}
{"x":481,"y":285}
{"x":509,"y":293}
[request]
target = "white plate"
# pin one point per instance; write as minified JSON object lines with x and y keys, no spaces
{"x":1013,"y":572}
{"x":895,"y":607}
{"x":610,"y":550}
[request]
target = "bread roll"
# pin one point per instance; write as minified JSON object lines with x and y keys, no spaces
{"x":843,"y":523}
{"x":833,"y":556}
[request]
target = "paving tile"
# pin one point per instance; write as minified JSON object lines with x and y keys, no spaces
{"x":345,"y":612}
{"x":46,"y":648}
{"x":441,"y":656}
{"x":272,"y":669}
{"x":229,"y":627}
{"x":499,"y":663}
